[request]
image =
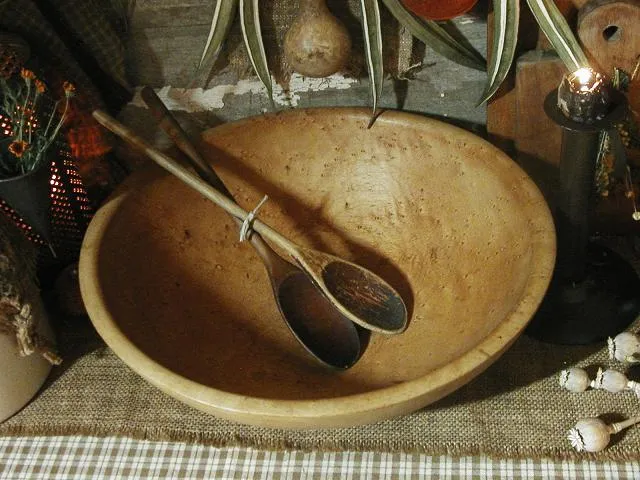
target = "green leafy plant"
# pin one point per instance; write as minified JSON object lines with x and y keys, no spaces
{"x":505,"y":36}
{"x":373,"y":46}
{"x":27,"y":130}
{"x":434,"y":34}
{"x":252,"y":34}
{"x":506,"y":15}
{"x":223,"y":16}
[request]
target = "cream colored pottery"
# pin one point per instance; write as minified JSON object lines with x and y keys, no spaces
{"x":450,"y":221}
{"x":22,"y":377}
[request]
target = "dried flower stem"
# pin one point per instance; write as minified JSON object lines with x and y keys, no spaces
{"x":593,"y":435}
{"x":24,"y":109}
{"x":60,"y":121}
{"x":30,"y":129}
{"x":636,"y":69}
{"x":46,"y":130}
{"x":619,"y":426}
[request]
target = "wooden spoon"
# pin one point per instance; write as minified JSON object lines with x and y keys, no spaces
{"x":356,"y":292}
{"x":322,"y":330}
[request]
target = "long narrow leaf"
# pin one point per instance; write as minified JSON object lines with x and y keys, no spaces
{"x":506,"y":16}
{"x":373,"y":47}
{"x":555,"y":27}
{"x":250,"y":22}
{"x":436,"y":37}
{"x":223,"y":16}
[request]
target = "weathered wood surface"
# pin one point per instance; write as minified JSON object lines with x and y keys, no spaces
{"x":516,"y":121}
{"x":537,"y":139}
{"x":166,"y":39}
{"x":610,"y":33}
{"x":502,"y":114}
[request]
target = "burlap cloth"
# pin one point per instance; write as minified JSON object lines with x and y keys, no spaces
{"x":514,"y":409}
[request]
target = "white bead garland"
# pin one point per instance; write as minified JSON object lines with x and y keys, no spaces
{"x":592,"y":434}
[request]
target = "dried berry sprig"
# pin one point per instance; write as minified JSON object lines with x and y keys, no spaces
{"x":624,"y":347}
{"x":593,"y":434}
{"x":576,"y":379}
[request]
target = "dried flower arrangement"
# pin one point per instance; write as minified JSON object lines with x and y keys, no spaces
{"x":593,"y":434}
{"x":28,"y":129}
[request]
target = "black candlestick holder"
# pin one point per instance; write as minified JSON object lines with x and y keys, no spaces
{"x":594,"y":292}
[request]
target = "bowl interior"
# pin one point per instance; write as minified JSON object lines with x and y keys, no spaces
{"x":447,"y":219}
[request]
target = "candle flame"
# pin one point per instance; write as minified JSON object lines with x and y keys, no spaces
{"x":584,"y":75}
{"x":585,"y":80}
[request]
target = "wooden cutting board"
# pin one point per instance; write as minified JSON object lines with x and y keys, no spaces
{"x":537,"y":139}
{"x":501,"y":110}
{"x":516,"y":119}
{"x":609,"y":30}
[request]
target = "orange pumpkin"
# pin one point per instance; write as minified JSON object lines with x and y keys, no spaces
{"x":437,"y":9}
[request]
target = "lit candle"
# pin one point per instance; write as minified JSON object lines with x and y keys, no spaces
{"x":583,"y":96}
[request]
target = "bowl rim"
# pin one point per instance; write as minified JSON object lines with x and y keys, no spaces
{"x":350,"y":409}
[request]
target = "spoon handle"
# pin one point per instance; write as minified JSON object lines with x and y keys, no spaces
{"x":195,"y":182}
{"x":348,"y":280}
{"x":170,"y":125}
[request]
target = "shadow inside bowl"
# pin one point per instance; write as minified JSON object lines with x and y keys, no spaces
{"x":192,"y":326}
{"x":444,"y":217}
{"x":315,"y":223}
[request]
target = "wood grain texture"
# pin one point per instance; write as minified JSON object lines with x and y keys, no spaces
{"x":166,"y":40}
{"x":518,"y":116}
{"x":537,"y":137}
{"x":502,"y":112}
{"x":610,"y":33}
{"x":450,"y":221}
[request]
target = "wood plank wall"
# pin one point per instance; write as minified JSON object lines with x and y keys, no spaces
{"x":166,"y":38}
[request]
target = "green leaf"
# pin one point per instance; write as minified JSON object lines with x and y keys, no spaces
{"x":436,"y":37}
{"x":555,"y":27}
{"x":223,"y":16}
{"x":250,"y":22}
{"x":506,"y":17}
{"x":373,"y":47}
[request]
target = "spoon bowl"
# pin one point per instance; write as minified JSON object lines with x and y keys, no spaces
{"x":366,"y":297}
{"x":331,"y":340}
{"x":323,"y":331}
{"x":361,"y":295}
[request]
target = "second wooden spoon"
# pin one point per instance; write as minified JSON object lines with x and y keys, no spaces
{"x":356,"y":292}
{"x":322,"y":330}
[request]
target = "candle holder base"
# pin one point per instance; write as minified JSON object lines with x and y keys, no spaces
{"x":601,"y":305}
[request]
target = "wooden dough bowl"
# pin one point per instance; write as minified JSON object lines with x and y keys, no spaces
{"x":449,"y":220}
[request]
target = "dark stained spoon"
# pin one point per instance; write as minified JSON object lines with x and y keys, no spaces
{"x":326,"y":334}
{"x":357,"y":293}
